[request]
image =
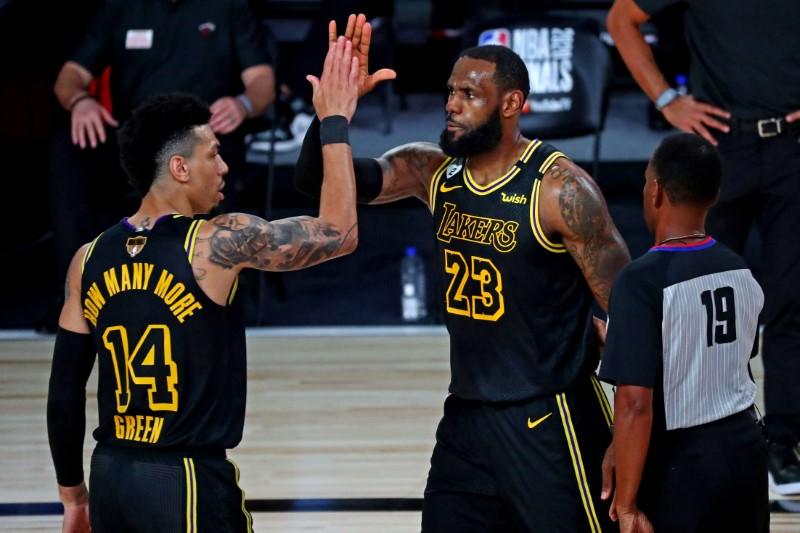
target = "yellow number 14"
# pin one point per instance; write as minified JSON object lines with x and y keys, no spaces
{"x":150,"y":364}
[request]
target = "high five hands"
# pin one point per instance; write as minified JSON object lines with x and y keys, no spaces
{"x":359,"y":32}
{"x":336,"y":91}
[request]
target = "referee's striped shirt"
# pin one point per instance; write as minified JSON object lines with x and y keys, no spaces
{"x":683,"y":321}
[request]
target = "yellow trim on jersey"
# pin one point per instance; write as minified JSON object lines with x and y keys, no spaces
{"x":434,"y":186}
{"x":194,"y":500}
{"x":532,"y":146}
{"x":550,"y":160}
{"x":189,"y":235}
{"x":605,"y":406}
{"x":577,"y":463}
{"x":176,"y":215}
{"x":233,"y":290}
{"x":473,"y":186}
{"x":194,"y":240}
{"x":493,"y":185}
{"x":536,"y":224}
{"x":89,"y":251}
{"x":247,"y":514}
{"x":191,"y":495}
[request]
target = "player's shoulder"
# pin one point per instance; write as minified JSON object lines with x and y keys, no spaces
{"x":565,"y":179}
{"x":231,"y":221}
{"x":80,"y":254}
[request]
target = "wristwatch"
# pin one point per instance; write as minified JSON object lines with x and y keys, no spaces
{"x":667,"y":97}
{"x":247,"y":104}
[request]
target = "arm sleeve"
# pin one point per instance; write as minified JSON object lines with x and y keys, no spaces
{"x":250,"y":41}
{"x":308,"y":170}
{"x":96,"y":48}
{"x":73,"y":358}
{"x":633,"y":349}
{"x":653,"y":6}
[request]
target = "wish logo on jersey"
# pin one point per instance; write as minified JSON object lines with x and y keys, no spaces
{"x":500,"y":36}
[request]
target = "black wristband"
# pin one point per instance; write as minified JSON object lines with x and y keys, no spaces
{"x":333,"y":129}
{"x":308,"y":170}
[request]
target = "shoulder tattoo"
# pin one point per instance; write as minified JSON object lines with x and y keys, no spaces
{"x":595,"y":243}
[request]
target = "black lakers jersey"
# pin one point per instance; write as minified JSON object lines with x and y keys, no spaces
{"x":517,"y":306}
{"x":171,"y":361}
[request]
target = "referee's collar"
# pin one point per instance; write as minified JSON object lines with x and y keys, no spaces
{"x":708,"y":242}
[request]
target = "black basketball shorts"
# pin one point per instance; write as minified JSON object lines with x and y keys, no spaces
{"x":133,"y":490}
{"x":518,"y":467}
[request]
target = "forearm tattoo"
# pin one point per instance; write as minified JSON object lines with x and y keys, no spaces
{"x":287,"y":244}
{"x":596,"y":245}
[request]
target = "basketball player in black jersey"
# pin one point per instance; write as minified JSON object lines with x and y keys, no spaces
{"x":525,"y":244}
{"x":155,"y":298}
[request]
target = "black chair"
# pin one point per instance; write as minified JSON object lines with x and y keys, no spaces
{"x":570,"y":72}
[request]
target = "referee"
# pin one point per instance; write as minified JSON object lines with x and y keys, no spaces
{"x":690,"y":455}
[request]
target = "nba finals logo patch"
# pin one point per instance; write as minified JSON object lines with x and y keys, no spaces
{"x":135,"y":245}
{"x":500,"y":36}
{"x":453,"y":169}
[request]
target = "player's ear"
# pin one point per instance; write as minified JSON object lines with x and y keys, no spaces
{"x":659,"y":195}
{"x":512,"y":103}
{"x":179,"y":168}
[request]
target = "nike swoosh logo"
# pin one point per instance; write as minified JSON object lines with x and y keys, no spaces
{"x":533,"y":424}
{"x":445,"y":188}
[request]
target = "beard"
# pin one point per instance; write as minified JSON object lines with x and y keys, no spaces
{"x":473,"y":142}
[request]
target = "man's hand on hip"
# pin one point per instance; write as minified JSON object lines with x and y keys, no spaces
{"x":693,"y":116}
{"x":88,"y":122}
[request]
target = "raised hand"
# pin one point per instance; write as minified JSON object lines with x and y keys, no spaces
{"x":336,"y":90}
{"x":359,"y":32}
{"x":88,"y":123}
{"x":693,"y":116}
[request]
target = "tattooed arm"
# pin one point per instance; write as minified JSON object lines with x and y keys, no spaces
{"x":237,"y":240}
{"x":573,"y":208}
{"x":407,"y":171}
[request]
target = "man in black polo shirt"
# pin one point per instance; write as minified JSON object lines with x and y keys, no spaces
{"x":690,"y":456}
{"x":213,"y":49}
{"x":745,"y":84}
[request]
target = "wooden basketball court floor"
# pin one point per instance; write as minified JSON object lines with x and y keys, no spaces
{"x":339,"y":429}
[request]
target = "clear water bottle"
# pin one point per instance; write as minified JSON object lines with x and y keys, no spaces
{"x":412,"y":280}
{"x":682,"y":84}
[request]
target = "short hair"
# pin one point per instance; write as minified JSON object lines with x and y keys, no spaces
{"x":689,"y":168}
{"x":510,"y":70}
{"x":162,"y":126}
